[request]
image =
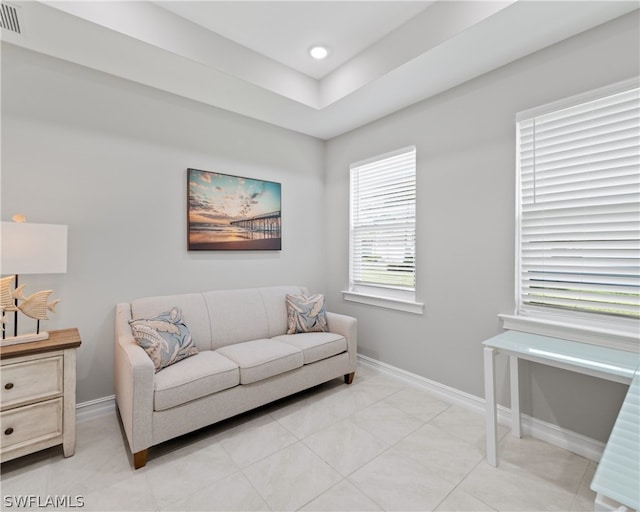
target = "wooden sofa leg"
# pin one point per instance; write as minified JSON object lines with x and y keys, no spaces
{"x":140,"y":459}
{"x":348,"y":378}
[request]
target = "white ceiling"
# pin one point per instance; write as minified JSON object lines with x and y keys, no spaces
{"x":284,"y":31}
{"x":251,"y":57}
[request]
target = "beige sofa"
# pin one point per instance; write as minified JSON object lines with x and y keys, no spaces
{"x":245,"y":359}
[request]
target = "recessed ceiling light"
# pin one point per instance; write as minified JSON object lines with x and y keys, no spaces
{"x":318,"y":52}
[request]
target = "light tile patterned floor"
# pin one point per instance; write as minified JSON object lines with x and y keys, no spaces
{"x":379,"y":444}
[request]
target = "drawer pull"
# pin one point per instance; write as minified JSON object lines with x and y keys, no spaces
{"x":9,"y":431}
{"x":9,"y":385}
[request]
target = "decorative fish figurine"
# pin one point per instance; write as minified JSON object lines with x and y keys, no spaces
{"x":34,"y":306}
{"x":6,"y":294}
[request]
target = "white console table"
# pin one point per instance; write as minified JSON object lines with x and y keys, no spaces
{"x":606,"y":363}
{"x":618,"y":474}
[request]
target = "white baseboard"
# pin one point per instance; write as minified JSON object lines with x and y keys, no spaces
{"x":548,"y":432}
{"x":94,"y":408}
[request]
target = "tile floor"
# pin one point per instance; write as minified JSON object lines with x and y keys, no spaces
{"x":379,"y":444}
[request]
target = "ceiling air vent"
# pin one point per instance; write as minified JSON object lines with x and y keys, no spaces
{"x":9,"y":18}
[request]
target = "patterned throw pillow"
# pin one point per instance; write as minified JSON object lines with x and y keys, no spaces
{"x":165,"y":338}
{"x":306,"y":313}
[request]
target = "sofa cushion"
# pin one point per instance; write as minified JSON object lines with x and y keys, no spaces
{"x":203,"y":374}
{"x":306,"y":313}
{"x":236,"y":316}
{"x":165,"y":338}
{"x":316,"y":345}
{"x":274,"y":299}
{"x":261,"y":359}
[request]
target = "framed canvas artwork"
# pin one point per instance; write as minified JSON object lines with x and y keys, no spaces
{"x":231,"y":213}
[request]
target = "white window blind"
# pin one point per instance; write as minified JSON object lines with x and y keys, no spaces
{"x":383,"y":225}
{"x":579,"y":207}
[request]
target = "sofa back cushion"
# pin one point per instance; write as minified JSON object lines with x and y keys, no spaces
{"x":222,"y":317}
{"x":194,"y":310}
{"x":247,"y":314}
{"x":275,"y":302}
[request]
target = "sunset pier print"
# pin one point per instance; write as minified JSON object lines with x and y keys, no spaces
{"x":233,"y":213}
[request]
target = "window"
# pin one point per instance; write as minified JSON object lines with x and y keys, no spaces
{"x":383,"y":231}
{"x":579,"y":210}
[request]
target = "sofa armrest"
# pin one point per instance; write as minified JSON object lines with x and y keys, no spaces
{"x":134,"y":374}
{"x":347,"y":326}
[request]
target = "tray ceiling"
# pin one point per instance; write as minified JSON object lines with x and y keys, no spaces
{"x":251,"y":57}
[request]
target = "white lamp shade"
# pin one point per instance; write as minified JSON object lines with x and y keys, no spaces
{"x":28,"y":248}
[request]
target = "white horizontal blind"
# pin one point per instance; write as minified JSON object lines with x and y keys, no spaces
{"x":579,"y":225}
{"x":383,"y":223}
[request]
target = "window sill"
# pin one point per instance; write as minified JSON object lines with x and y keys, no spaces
{"x":602,"y":336}
{"x":384,"y":302}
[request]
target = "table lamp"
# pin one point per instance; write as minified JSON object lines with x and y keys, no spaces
{"x":28,"y":248}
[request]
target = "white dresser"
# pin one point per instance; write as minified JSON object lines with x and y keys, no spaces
{"x":38,"y":395}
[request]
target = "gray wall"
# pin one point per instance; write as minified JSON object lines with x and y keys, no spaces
{"x":108,"y":158}
{"x":465,"y":140}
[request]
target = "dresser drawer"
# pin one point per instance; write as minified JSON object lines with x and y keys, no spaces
{"x":31,"y":424}
{"x":30,"y":381}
